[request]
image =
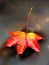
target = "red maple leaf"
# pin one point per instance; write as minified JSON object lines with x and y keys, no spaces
{"x":24,"y":40}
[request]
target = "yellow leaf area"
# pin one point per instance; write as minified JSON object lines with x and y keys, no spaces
{"x":30,"y":35}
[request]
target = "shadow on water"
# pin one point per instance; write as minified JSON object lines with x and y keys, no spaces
{"x":27,"y":53}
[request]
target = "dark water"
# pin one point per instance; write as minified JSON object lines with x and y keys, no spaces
{"x":14,"y":17}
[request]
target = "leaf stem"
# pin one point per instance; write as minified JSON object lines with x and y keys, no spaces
{"x":28,"y":19}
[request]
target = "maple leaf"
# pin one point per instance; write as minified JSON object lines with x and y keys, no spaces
{"x":23,"y":40}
